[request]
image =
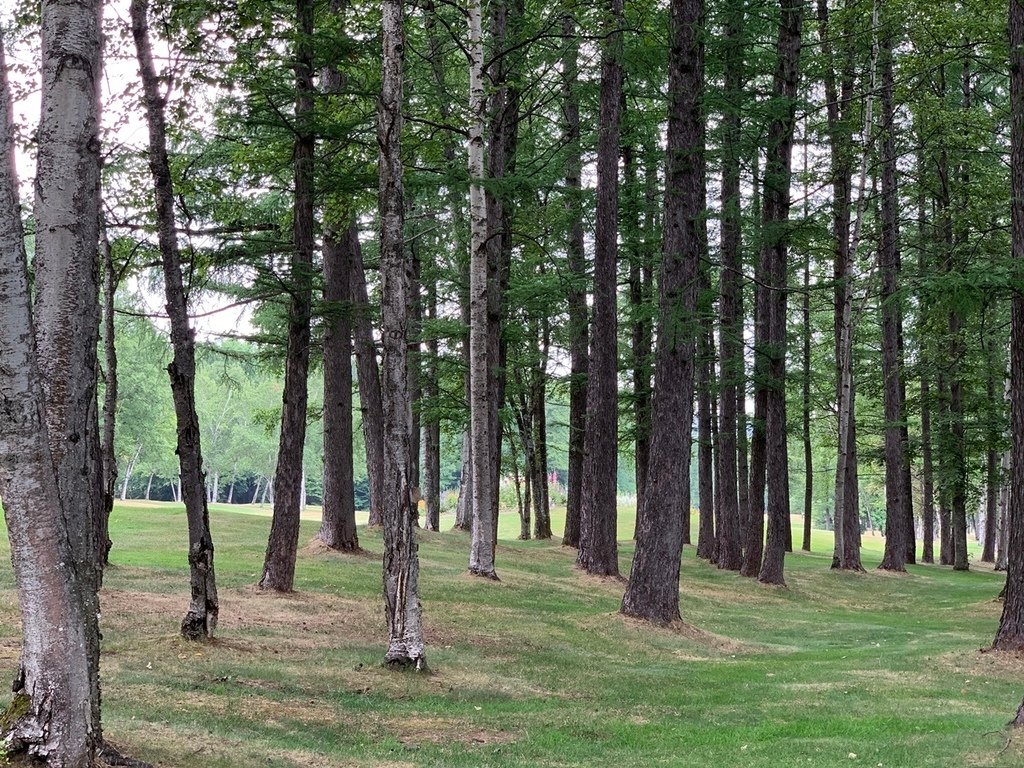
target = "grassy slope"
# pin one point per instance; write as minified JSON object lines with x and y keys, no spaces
{"x":539,"y":670}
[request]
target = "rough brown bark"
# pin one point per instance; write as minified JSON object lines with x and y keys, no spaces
{"x":201,"y":618}
{"x":895,"y":556}
{"x":109,"y":400}
{"x":367,"y":376}
{"x":775,"y":238}
{"x":753,"y":538}
{"x":577,"y":298}
{"x":1010,"y":635}
{"x":598,"y":552}
{"x":806,"y":403}
{"x":839,"y":100}
{"x":338,"y":523}
{"x":401,"y":560}
{"x":730,"y":288}
{"x":709,"y":535}
{"x":54,"y":724}
{"x":653,"y":589}
{"x":431,"y":423}
{"x":538,"y":401}
{"x":282,"y":544}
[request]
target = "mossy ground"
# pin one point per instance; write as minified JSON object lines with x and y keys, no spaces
{"x":539,"y":669}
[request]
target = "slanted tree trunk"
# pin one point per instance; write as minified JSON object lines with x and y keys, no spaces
{"x":367,"y":375}
{"x":282,"y":545}
{"x":149,"y":487}
{"x":201,"y":618}
{"x":50,"y":718}
{"x":598,"y":553}
{"x":481,"y":558}
{"x":753,"y":549}
{"x":775,"y":237}
{"x":895,"y":555}
{"x":653,"y":589}
{"x":577,"y":298}
{"x":401,"y":558}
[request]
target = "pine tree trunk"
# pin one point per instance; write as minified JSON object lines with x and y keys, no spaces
{"x":894,"y":557}
{"x":653,"y":589}
{"x":775,"y":237}
{"x":538,"y":401}
{"x":201,"y":618}
{"x":282,"y":545}
{"x":432,"y":423}
{"x":598,"y":553}
{"x":338,"y":522}
{"x":57,"y":679}
{"x":709,"y":543}
{"x":401,"y":559}
{"x":368,"y":376}
{"x":414,"y":330}
{"x":1004,"y":514}
{"x":806,"y":403}
{"x":753,"y":549}
{"x":577,"y":298}
{"x":1010,"y":635}
{"x":731,"y":297}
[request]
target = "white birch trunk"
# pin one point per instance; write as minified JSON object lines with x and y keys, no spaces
{"x":51,"y":717}
{"x":481,"y":556}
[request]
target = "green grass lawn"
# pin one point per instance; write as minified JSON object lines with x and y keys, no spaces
{"x":539,"y":669}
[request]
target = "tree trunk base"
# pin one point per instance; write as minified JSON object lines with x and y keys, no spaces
{"x":490,"y":574}
{"x":1018,"y":719}
{"x":110,"y":755}
{"x":194,"y":627}
{"x":407,"y":664}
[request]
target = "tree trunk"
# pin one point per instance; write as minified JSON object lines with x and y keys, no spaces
{"x":538,"y":401}
{"x":50,"y":718}
{"x":401,"y":559}
{"x":1004,"y":513}
{"x":731,"y":291}
{"x":481,"y":558}
{"x":653,"y":589}
{"x":432,"y":423}
{"x":1010,"y":635}
{"x":129,"y":471}
{"x":598,"y":553}
{"x":282,"y":545}
{"x":201,"y":618}
{"x":577,"y":298}
{"x":774,"y":250}
{"x":839,"y":98}
{"x":709,"y":536}
{"x":753,"y":538}
{"x":149,"y":486}
{"x":806,"y":409}
{"x":368,"y":376}
{"x":895,"y":555}
{"x":109,"y":400}
{"x":338,"y":523}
